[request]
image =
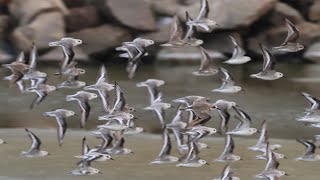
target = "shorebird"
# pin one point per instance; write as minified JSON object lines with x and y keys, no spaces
{"x":118,"y":147}
{"x":223,"y":110}
{"x":41,"y":89}
{"x":227,"y":154}
{"x":309,"y":154}
{"x":263,"y":140}
{"x":164,"y":155}
{"x":269,"y":62}
{"x":159,"y":108}
{"x":202,"y":21}
{"x":34,"y":150}
{"x":60,"y":115}
{"x":227,"y":174}
{"x":290,"y":44}
{"x":227,"y":83}
{"x":151,"y":85}
{"x":102,"y":87}
{"x":176,"y":36}
{"x":238,"y":55}
{"x":271,"y":169}
{"x":83,"y":98}
{"x":191,"y":159}
{"x":243,"y":128}
{"x":205,"y":69}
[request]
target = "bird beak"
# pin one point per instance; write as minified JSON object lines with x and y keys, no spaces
{"x":112,"y":159}
{"x":100,"y":172}
{"x":286,"y":174}
{"x":134,"y":118}
{"x":84,"y":43}
{"x":132,"y":152}
{"x":285,"y":157}
{"x":207,"y":164}
{"x":76,"y":115}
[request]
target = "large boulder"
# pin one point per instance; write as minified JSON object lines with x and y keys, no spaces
{"x":314,"y":11}
{"x":4,"y":26}
{"x":82,"y":17}
{"x":313,"y":52}
{"x":162,"y":34}
{"x":228,"y":14}
{"x":27,"y":10}
{"x":281,"y":11}
{"x":75,"y":3}
{"x":45,"y":28}
{"x":102,"y":38}
{"x":135,"y":14}
{"x":274,"y":36}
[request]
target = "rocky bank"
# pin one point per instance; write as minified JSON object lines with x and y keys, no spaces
{"x":105,"y":24}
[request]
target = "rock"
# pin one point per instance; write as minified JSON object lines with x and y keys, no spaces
{"x":4,"y":26}
{"x":45,"y":28}
{"x":74,"y":3}
{"x":281,"y":11}
{"x":230,"y":14}
{"x":162,"y":34}
{"x":56,"y":54}
{"x":165,"y":7}
{"x":135,"y":14}
{"x":5,"y":57}
{"x":313,"y":52}
{"x":314,"y":13}
{"x":186,"y":54}
{"x":101,"y":38}
{"x":302,"y":5}
{"x":82,"y":17}
{"x":27,"y":10}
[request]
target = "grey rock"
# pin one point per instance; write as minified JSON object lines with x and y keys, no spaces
{"x":165,"y":7}
{"x":281,"y":11}
{"x":82,"y":17}
{"x":221,"y":42}
{"x":135,"y":14}
{"x":313,"y":52}
{"x":101,"y":38}
{"x":162,"y":34}
{"x":5,"y":57}
{"x":75,"y":3}
{"x":45,"y":28}
{"x":314,"y":11}
{"x":230,"y":14}
{"x":26,"y":10}
{"x":4,"y":26}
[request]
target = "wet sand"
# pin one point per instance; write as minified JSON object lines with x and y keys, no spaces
{"x":136,"y":166}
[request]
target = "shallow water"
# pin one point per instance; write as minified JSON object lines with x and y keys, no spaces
{"x":278,"y":102}
{"x":136,"y":166}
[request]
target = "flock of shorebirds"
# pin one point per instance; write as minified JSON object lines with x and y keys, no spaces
{"x":191,"y":117}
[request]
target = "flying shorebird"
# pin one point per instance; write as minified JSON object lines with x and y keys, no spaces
{"x":227,"y":83}
{"x":205,"y":69}
{"x":176,"y":36}
{"x":223,"y":110}
{"x":60,"y":115}
{"x":263,"y":140}
{"x":41,"y":89}
{"x":67,"y":45}
{"x":34,"y":150}
{"x":83,"y":98}
{"x":102,"y":87}
{"x":159,"y":108}
{"x":164,"y":155}
{"x":268,"y":70}
{"x":202,"y":21}
{"x":118,"y":147}
{"x":191,"y":159}
{"x":309,"y":154}
{"x":152,"y":85}
{"x":290,"y":44}
{"x":238,"y":55}
{"x":243,"y":128}
{"x":227,"y":174}
{"x":271,"y":169}
{"x":227,"y":154}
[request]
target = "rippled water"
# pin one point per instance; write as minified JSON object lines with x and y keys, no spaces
{"x":279,"y":102}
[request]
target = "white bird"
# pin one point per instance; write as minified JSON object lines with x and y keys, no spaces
{"x":34,"y":150}
{"x":227,"y":83}
{"x":238,"y":55}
